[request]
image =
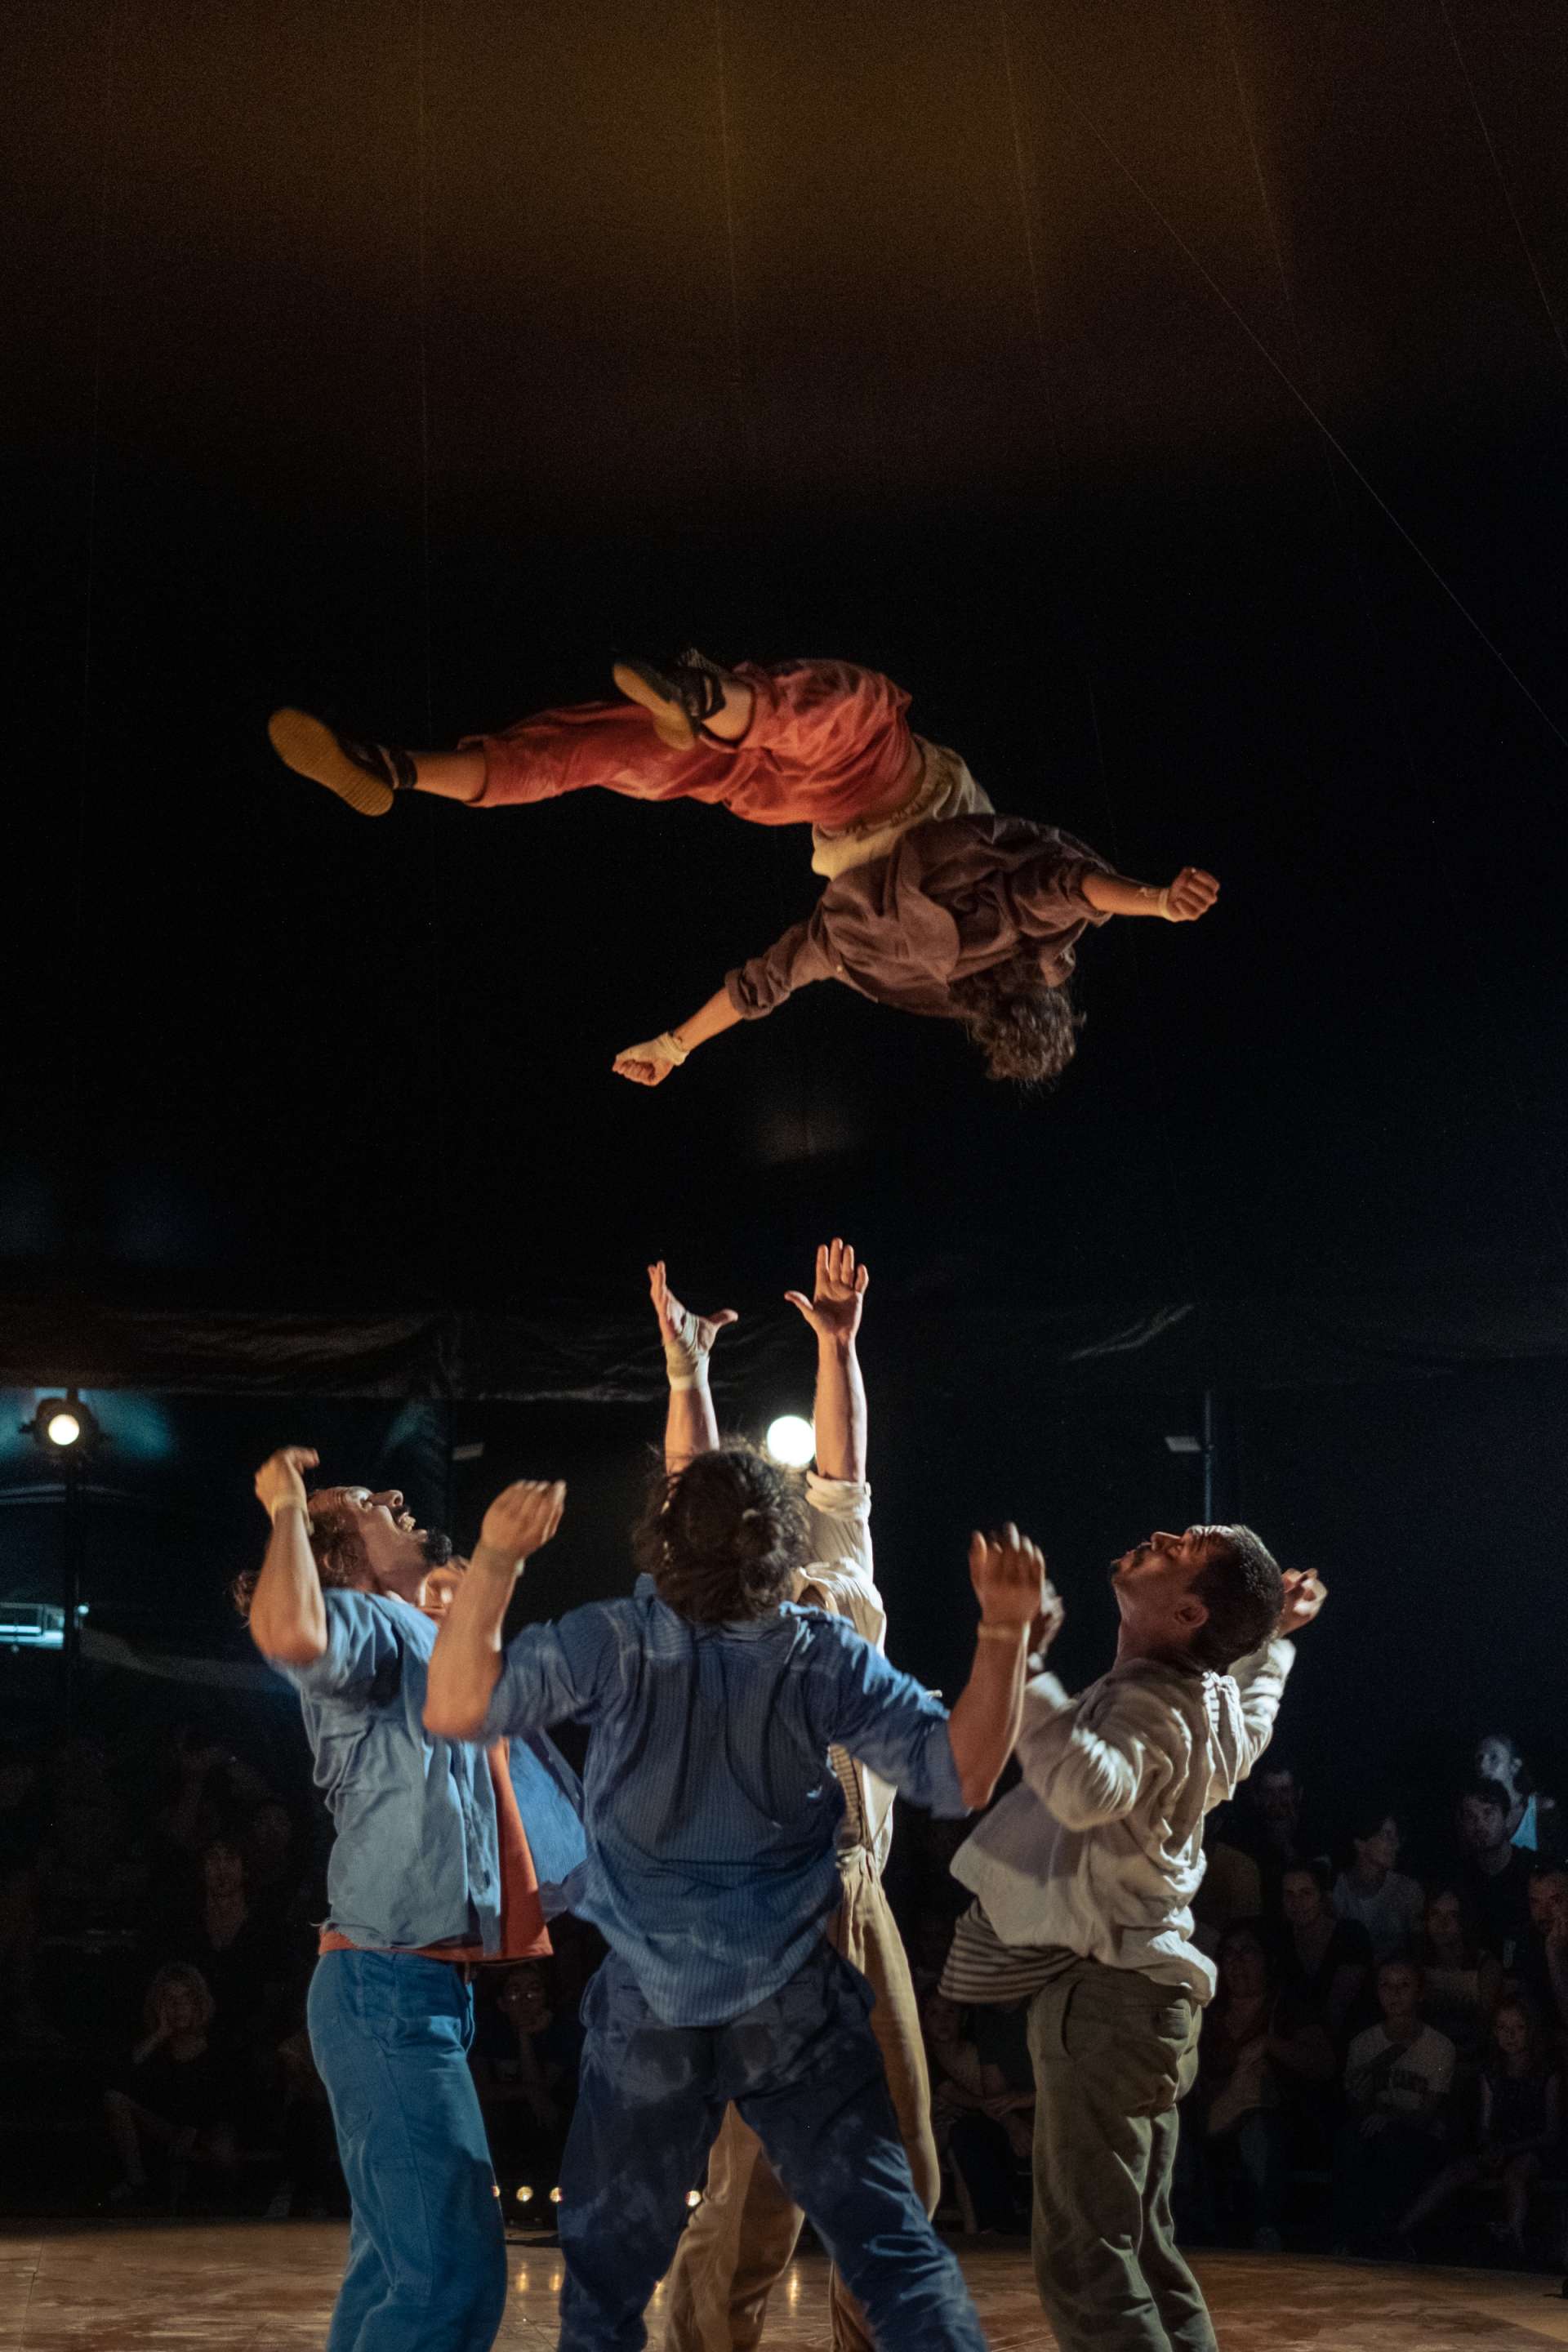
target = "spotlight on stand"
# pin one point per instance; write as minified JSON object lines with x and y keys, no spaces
{"x":791,"y":1442}
{"x":64,"y":1427}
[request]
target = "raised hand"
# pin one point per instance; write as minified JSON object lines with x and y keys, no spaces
{"x":1305,"y":1594}
{"x":1008,"y":1573}
{"x":1192,"y":894}
{"x":687,"y":1337}
{"x":1050,"y":1623}
{"x":280,"y":1478}
{"x":833,"y":1309}
{"x":522,"y":1518}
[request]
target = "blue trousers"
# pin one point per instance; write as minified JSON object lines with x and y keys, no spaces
{"x":426,"y":2271}
{"x":805,"y":2069}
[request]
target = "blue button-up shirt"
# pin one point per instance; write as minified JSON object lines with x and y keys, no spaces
{"x":416,"y":1860}
{"x":712,"y":1810}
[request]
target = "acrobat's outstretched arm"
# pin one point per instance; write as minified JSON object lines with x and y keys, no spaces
{"x":1192,"y":894}
{"x":649,"y":1064}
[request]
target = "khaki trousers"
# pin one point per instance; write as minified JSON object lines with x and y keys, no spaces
{"x":1114,"y":2053}
{"x":738,"y":2244}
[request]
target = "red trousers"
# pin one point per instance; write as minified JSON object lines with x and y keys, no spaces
{"x":827,"y":743}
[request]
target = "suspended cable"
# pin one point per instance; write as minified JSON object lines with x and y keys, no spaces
{"x":1026,"y":201}
{"x":1302,"y":401}
{"x":1524,"y":245}
{"x":1463,"y":929}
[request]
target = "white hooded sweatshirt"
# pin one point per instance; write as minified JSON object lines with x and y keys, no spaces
{"x":1101,"y":1848}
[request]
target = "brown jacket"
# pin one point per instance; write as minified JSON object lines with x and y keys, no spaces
{"x":951,"y":899}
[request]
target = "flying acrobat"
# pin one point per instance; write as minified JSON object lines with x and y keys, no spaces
{"x":934,"y":903}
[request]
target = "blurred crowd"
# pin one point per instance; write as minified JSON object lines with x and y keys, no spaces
{"x":1380,"y":2069}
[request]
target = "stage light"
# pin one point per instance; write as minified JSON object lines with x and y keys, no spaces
{"x":555,"y":2197}
{"x":693,"y":2198}
{"x":791,"y":1441}
{"x":525,"y":2196}
{"x":63,"y":1426}
{"x":1183,"y":1444}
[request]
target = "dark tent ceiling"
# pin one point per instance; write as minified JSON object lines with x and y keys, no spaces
{"x":1171,"y":396}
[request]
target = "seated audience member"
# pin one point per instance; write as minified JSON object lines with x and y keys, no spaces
{"x":1539,"y":1970}
{"x":1372,"y":1890}
{"x":1519,"y":2124}
{"x":90,"y":1869}
{"x":1398,"y":2077}
{"x":274,"y":1871}
{"x":1463,"y":1980}
{"x":1271,"y":1820}
{"x":981,"y":2121}
{"x":1260,"y":2046}
{"x":1494,"y":1873}
{"x":237,"y":1948}
{"x":1324,"y":1956}
{"x":1533,"y":1822}
{"x":1232,"y":1887}
{"x":174,"y":2097}
{"x":528,"y":2056}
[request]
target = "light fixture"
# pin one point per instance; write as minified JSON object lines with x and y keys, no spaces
{"x":1183,"y":1444}
{"x":555,"y":2197}
{"x":693,"y":2198}
{"x":791,"y":1441}
{"x":525,"y":2196}
{"x":64,"y":1427}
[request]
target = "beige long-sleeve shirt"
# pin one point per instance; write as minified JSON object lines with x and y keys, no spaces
{"x":840,"y":1578}
{"x":1101,"y":1848}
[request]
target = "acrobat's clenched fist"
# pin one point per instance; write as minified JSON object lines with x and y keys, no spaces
{"x":522,"y":1518}
{"x":1305,"y":1594}
{"x":1008,"y":1573}
{"x":1192,"y":894}
{"x":279,"y":1479}
{"x":649,"y":1064}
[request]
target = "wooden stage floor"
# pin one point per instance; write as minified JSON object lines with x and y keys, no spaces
{"x":268,"y":2287}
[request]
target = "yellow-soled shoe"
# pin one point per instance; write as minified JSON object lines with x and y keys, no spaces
{"x":363,"y":774}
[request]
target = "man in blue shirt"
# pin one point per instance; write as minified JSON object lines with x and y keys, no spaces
{"x":713,"y":1814}
{"x":445,"y":1857}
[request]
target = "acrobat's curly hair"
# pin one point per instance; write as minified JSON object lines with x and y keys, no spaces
{"x":723,"y":1538}
{"x":1027,"y":1032}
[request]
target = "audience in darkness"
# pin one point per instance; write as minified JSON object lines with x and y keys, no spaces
{"x":1399,"y":2078}
{"x":1411,"y":2107}
{"x":1494,"y":1873}
{"x":1533,"y":1822}
{"x":1326,"y":1958}
{"x":1370,"y":1891}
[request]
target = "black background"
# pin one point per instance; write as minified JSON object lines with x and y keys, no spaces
{"x":1170,"y":396}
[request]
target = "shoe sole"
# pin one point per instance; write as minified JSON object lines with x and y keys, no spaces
{"x":310,"y":747}
{"x":670,"y":723}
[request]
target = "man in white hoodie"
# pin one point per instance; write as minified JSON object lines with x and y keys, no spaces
{"x":1084,"y":1878}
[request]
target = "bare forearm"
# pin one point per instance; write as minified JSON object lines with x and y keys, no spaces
{"x":1115,"y":894}
{"x":287,"y":1615}
{"x":464,"y":1664}
{"x":709,"y":1020}
{"x":984,"y":1724}
{"x":840,"y":1410}
{"x":690,"y":1424}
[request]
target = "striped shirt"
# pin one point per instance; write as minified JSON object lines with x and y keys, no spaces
{"x":712,"y":1810}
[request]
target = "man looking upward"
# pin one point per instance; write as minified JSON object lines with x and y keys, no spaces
{"x":1085,"y":1875}
{"x":444,"y":1858}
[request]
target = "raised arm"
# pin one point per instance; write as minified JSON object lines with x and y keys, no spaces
{"x":691,"y":1425}
{"x":1192,"y":894}
{"x":288,"y":1614}
{"x":1008,"y":1573}
{"x":464,"y":1664}
{"x":649,"y":1064}
{"x":834,"y":1313}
